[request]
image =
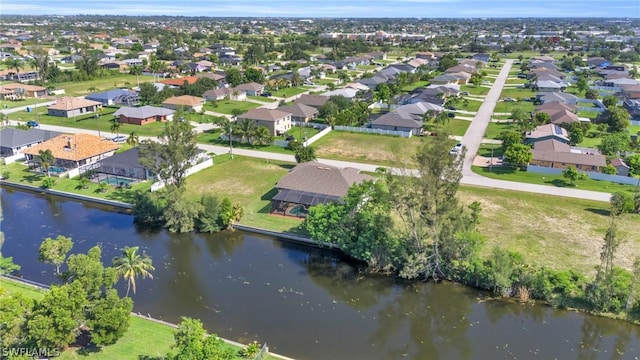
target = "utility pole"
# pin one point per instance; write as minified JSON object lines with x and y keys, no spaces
{"x":491,"y":163}
{"x":230,"y":142}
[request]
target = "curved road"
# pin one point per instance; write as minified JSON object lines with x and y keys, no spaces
{"x":471,"y":140}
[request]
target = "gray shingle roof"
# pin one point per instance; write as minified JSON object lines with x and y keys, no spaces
{"x":12,"y":138}
{"x":314,"y":177}
{"x":143,"y":112}
{"x":299,"y":110}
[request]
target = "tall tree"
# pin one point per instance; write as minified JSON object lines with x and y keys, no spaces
{"x":133,"y":139}
{"x":518,"y":155}
{"x":131,"y":265}
{"x":601,"y":292}
{"x":617,"y":118}
{"x":15,"y":64}
{"x":54,"y":251}
{"x":245,"y":129}
{"x":192,"y":342}
{"x":173,"y":153}
{"x":115,"y":126}
{"x":305,"y":154}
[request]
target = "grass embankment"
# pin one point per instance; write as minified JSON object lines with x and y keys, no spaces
{"x":366,"y":148}
{"x":144,"y":339}
{"x":566,"y":234}
{"x":250,"y":181}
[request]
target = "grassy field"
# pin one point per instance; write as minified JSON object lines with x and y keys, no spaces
{"x":20,"y":174}
{"x":486,"y":150}
{"x":112,"y":82}
{"x":588,"y":114}
{"x":236,"y":179}
{"x":90,"y":122}
{"x":212,"y":137}
{"x":367,"y":148}
{"x":517,"y":93}
{"x":25,"y":102}
{"x":510,"y":174}
{"x":261,"y":98}
{"x":634,"y":129}
{"x":560,"y":234}
{"x":415,"y":85}
{"x":458,"y":127}
{"x":301,"y":132}
{"x":590,"y":142}
{"x":227,"y":106}
{"x":517,"y":81}
{"x":291,"y":91}
{"x":508,"y":107}
{"x":494,"y":129}
{"x":475,"y":90}
{"x":472,"y":105}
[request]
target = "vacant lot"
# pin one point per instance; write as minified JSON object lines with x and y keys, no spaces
{"x":108,"y":83}
{"x":508,"y":107}
{"x":458,"y":127}
{"x":367,"y":148}
{"x":475,"y":90}
{"x":237,"y":179}
{"x":494,"y":129}
{"x":25,"y":102}
{"x":564,"y":234}
{"x":287,"y":92}
{"x":227,"y":106}
{"x":517,"y":93}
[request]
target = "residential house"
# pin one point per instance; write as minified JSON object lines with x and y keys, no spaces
{"x":125,"y":165}
{"x":69,"y":106}
{"x":373,"y":82}
{"x":177,"y":82}
{"x":553,"y":106}
{"x":19,"y":91}
{"x":426,"y":55}
{"x":481,"y":57}
{"x":547,"y":132}
{"x":549,"y":86}
{"x":563,"y":97}
{"x":447,"y":78}
{"x":563,"y":117}
{"x":631,"y":91}
{"x":206,"y":65}
{"x":555,"y":154}
{"x":71,"y":151}
{"x":278,"y":122}
{"x":14,"y":141}
{"x":115,"y":96}
{"x":252,"y":89}
{"x":313,"y":183}
{"x":225,"y":93}
{"x":188,"y":102}
{"x":300,"y":112}
{"x":349,"y":93}
{"x":622,"y":168}
{"x":406,"y":118}
{"x":143,"y":115}
{"x":316,"y":101}
{"x":597,"y":62}
{"x":633,"y":107}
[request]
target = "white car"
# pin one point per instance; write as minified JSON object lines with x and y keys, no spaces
{"x":456,"y":150}
{"x":119,"y":139}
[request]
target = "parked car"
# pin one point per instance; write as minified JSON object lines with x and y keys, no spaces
{"x":456,"y":150}
{"x":509,"y":99}
{"x":464,"y":93}
{"x":32,"y":123}
{"x":119,"y":139}
{"x":451,"y":114}
{"x":265,"y":94}
{"x":289,"y":138}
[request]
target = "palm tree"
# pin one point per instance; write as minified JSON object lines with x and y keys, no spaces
{"x":46,"y":160}
{"x":262,"y":135}
{"x":115,"y":126}
{"x":133,"y":139}
{"x":16,"y":64}
{"x":131,"y":264}
{"x":245,"y":129}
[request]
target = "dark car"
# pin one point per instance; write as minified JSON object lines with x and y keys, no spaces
{"x":289,"y":138}
{"x":451,"y":114}
{"x":265,"y":94}
{"x":32,"y":123}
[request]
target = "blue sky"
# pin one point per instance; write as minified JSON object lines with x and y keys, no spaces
{"x":331,"y":8}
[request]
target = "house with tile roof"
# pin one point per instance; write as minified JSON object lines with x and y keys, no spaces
{"x":187,"y":102}
{"x":252,"y":89}
{"x":71,"y":151}
{"x":69,"y":106}
{"x":278,"y":122}
{"x":225,"y":93}
{"x":313,"y":183}
{"x":143,"y":115}
{"x":177,"y":82}
{"x":555,"y":154}
{"x":19,"y":91}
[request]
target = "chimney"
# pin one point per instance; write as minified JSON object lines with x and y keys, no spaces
{"x":70,"y":144}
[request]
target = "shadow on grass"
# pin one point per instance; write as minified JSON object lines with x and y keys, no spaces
{"x":32,"y":178}
{"x":269,"y":194}
{"x":501,"y":170}
{"x":603,"y":212}
{"x":147,"y":357}
{"x":559,"y":183}
{"x":121,"y":194}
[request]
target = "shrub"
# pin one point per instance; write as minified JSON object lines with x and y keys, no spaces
{"x":48,"y":183}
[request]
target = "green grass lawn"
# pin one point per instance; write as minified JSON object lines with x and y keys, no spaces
{"x":458,"y":127}
{"x":261,"y":98}
{"x":508,"y":107}
{"x":510,"y":174}
{"x":227,"y":106}
{"x":111,"y":82}
{"x":487,"y":150}
{"x":590,"y":142}
{"x":90,"y":122}
{"x":325,"y":81}
{"x":494,"y":129}
{"x":301,"y":132}
{"x":472,"y":105}
{"x":20,"y":174}
{"x":367,"y":148}
{"x":212,"y":137}
{"x":415,"y":85}
{"x":236,"y":179}
{"x":25,"y":102}
{"x":564,"y":234}
{"x":634,"y":129}
{"x":517,"y":93}
{"x":366,"y":67}
{"x":291,"y":91}
{"x":588,"y":114}
{"x":475,"y":90}
{"x":517,"y":81}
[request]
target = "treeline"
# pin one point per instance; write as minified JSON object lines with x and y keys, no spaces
{"x":415,"y":227}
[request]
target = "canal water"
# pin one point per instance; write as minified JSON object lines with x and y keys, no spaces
{"x":307,"y":303}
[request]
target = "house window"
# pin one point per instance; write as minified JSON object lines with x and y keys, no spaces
{"x":594,"y":168}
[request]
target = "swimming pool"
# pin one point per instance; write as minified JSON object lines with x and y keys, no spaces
{"x":117,"y":181}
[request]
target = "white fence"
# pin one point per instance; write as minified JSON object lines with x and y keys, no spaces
{"x":635,"y":122}
{"x":592,"y":175}
{"x":310,"y":124}
{"x":373,"y":131}
{"x":317,"y":136}
{"x":192,"y":170}
{"x":13,"y":158}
